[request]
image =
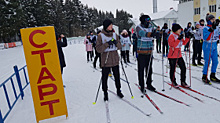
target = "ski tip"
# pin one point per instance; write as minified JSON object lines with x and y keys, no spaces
{"x":94,"y":103}
{"x":161,"y":112}
{"x":132,"y":97}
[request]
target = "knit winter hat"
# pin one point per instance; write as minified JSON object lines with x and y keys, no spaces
{"x":176,"y":27}
{"x":209,"y":17}
{"x":197,"y":23}
{"x":106,"y":23}
{"x":143,"y":18}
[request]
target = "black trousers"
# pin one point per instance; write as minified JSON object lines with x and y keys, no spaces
{"x":125,"y":56}
{"x":182,"y":66}
{"x":89,"y":53}
{"x":116,"y":74}
{"x":143,"y":63}
{"x":165,"y":45}
{"x":158,"y":45}
{"x":197,"y":50}
{"x":97,"y":56}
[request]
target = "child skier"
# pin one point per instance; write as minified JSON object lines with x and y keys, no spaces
{"x":188,"y":31}
{"x":196,"y":42}
{"x":158,"y":39}
{"x":126,"y":44}
{"x":166,"y":32}
{"x":145,"y":35}
{"x":88,"y":43}
{"x":210,"y":36}
{"x":175,"y":41}
{"x":107,"y":44}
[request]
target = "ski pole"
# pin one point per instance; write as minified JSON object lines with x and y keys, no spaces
{"x":126,"y":79}
{"x":163,"y":67}
{"x":100,"y":81}
{"x":189,"y":66}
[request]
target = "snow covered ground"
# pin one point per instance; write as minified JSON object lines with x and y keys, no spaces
{"x":81,"y":86}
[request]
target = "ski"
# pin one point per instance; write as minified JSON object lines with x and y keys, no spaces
{"x":132,"y":105}
{"x":153,"y":103}
{"x":107,"y":112}
{"x":200,"y":93}
{"x":168,"y":97}
{"x":185,"y":92}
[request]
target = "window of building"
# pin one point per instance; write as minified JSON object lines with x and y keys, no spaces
{"x":212,"y":8}
{"x":196,"y":11}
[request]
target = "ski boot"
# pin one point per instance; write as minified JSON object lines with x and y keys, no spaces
{"x":205,"y":79}
{"x":213,"y":78}
{"x":120,"y":94}
{"x":200,"y":64}
{"x":194,"y":64}
{"x":184,"y":85}
{"x":175,"y":85}
{"x":151,"y":88}
{"x":105,"y":96}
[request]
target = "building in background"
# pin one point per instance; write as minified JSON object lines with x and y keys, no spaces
{"x":169,"y":17}
{"x":194,"y":10}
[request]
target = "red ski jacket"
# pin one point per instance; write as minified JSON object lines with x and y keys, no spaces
{"x":175,"y":45}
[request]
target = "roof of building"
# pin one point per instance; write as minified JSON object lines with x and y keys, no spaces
{"x":162,"y":14}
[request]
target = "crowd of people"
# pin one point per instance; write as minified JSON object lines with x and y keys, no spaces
{"x":107,"y":43}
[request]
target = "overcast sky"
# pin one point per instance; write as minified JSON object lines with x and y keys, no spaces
{"x":135,"y":7}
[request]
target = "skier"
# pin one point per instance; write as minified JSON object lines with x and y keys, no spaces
{"x":88,"y":43}
{"x":196,"y":45}
{"x":202,"y":25}
{"x":134,"y":37}
{"x":175,"y":41}
{"x":61,"y":42}
{"x":107,"y":44}
{"x":166,"y":33}
{"x":158,"y":39}
{"x":93,"y":39}
{"x":126,"y":44}
{"x":97,"y":55}
{"x":145,"y":46}
{"x":188,"y":31}
{"x":210,"y":36}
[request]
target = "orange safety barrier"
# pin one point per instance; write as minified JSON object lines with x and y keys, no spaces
{"x":10,"y":45}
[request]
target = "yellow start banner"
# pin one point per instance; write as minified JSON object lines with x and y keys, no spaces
{"x":40,"y":49}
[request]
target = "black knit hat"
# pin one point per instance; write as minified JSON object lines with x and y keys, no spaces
{"x":106,"y":23}
{"x":176,"y":27}
{"x":209,"y":17}
{"x":143,"y":18}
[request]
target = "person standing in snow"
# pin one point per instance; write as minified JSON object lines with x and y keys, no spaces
{"x":97,"y":55}
{"x":166,"y":33}
{"x":202,"y":25}
{"x":61,"y":42}
{"x":210,"y":36}
{"x":107,"y":44}
{"x":188,"y":31}
{"x":88,"y":43}
{"x":158,"y":39}
{"x":145,"y":34}
{"x":126,"y":44}
{"x":196,"y":45}
{"x":134,"y":37}
{"x":93,"y":39}
{"x":175,"y":41}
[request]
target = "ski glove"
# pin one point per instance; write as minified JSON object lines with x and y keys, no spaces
{"x":180,"y":37}
{"x":110,"y":43}
{"x":211,"y":29}
{"x":87,"y":42}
